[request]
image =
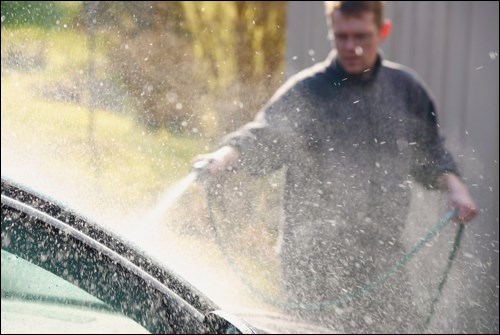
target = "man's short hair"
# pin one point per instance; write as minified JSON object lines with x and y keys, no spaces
{"x":355,"y":8}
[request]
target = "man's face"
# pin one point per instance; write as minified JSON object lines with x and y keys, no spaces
{"x":357,"y":39}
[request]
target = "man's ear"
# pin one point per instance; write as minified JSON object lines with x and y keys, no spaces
{"x":386,"y":29}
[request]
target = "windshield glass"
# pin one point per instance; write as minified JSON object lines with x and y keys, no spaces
{"x":53,"y":304}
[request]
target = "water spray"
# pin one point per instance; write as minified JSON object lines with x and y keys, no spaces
{"x":199,"y":173}
{"x":200,"y":168}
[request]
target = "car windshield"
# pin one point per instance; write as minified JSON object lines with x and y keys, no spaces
{"x":105,"y":105}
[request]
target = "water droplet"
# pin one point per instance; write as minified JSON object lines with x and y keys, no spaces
{"x":468,"y":255}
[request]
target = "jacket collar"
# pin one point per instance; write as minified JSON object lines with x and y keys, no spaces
{"x":337,"y":69}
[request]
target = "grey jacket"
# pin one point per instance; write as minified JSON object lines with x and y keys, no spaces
{"x":351,"y":145}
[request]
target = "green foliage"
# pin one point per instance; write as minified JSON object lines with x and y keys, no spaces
{"x":128,"y":161}
{"x":150,"y":60}
{"x":45,"y":14}
{"x":189,"y":66}
{"x":240,"y":46}
{"x":247,"y":37}
{"x":49,"y":103}
{"x":159,"y":73}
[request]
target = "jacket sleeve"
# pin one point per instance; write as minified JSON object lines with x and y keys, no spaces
{"x":276,"y":134}
{"x":430,"y":157}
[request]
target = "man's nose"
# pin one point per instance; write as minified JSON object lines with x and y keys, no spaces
{"x":351,"y":43}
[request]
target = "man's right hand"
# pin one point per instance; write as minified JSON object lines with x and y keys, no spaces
{"x":219,"y":162}
{"x":458,"y":198}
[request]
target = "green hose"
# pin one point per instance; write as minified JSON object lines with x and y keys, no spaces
{"x":451,"y":257}
{"x":360,"y":292}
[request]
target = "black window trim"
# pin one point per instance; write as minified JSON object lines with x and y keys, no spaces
{"x":173,"y":301}
{"x":63,"y":213}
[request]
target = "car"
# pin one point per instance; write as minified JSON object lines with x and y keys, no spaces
{"x":61,"y":272}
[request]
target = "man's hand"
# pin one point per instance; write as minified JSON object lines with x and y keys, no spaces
{"x":458,"y":197}
{"x":218,"y":163}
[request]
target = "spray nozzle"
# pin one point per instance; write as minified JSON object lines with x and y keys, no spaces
{"x":200,"y":168}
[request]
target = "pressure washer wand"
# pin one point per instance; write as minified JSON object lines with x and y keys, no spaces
{"x":200,"y":168}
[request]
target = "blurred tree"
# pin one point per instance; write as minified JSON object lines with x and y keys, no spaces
{"x":189,"y":66}
{"x":151,"y":58}
{"x":241,"y":45}
{"x":240,"y":48}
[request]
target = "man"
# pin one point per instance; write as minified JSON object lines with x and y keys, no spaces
{"x":353,"y":133}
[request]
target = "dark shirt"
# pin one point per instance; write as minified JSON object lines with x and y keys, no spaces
{"x":352,"y":147}
{"x":334,"y":131}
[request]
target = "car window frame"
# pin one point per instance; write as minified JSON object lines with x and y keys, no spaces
{"x":130,"y":285}
{"x":64,"y":213}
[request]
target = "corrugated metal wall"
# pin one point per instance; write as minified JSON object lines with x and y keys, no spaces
{"x":453,"y":46}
